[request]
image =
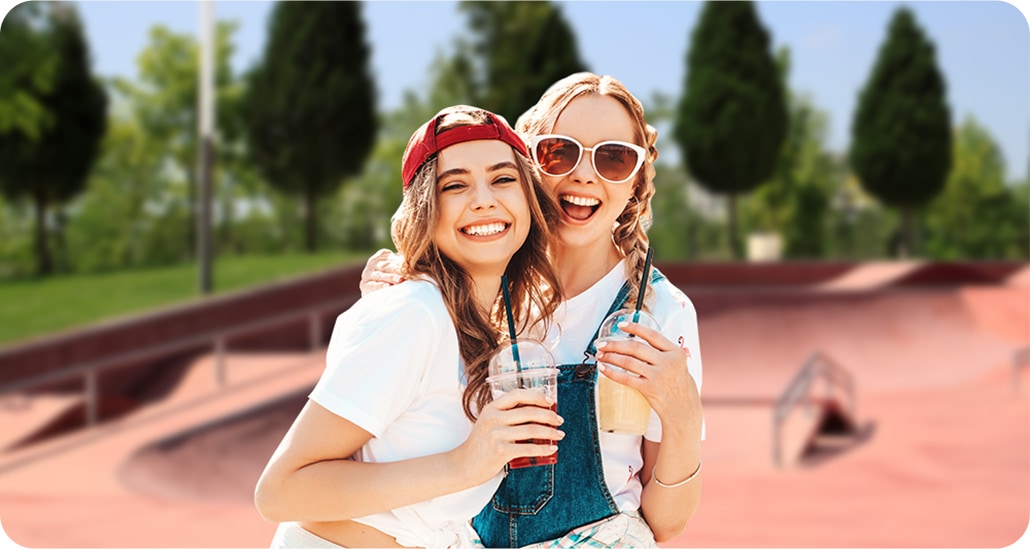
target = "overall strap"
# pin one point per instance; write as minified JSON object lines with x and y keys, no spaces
{"x":618,"y":303}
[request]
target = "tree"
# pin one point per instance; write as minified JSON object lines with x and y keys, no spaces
{"x":901,"y":133}
{"x":164,"y":98}
{"x":523,"y":47}
{"x":976,"y":216}
{"x":52,"y":168}
{"x":795,"y":201}
{"x":732,"y":116}
{"x":310,"y":105}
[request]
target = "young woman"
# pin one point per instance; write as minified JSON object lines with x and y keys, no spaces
{"x":595,"y":152}
{"x":399,"y":443}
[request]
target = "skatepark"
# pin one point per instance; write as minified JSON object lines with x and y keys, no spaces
{"x":852,"y":405}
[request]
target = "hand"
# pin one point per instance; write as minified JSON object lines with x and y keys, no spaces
{"x":661,"y":365}
{"x":381,"y":270}
{"x":498,"y":435}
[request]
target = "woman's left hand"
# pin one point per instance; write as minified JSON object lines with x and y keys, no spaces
{"x":664,"y":379}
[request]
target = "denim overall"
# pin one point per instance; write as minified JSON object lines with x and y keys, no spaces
{"x":545,"y":502}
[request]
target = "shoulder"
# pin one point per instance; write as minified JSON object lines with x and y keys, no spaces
{"x":413,"y":303}
{"x":671,"y":300}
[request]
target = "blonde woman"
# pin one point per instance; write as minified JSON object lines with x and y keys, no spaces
{"x":399,"y":443}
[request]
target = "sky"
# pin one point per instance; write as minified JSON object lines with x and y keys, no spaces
{"x":983,"y":49}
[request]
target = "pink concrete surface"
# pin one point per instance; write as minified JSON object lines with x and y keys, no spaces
{"x":941,"y":457}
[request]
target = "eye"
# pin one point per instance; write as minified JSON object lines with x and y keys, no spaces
{"x":505,"y":179}
{"x":452,"y":186}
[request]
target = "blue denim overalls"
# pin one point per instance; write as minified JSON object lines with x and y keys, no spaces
{"x":545,"y":502}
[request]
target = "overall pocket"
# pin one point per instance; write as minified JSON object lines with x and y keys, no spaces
{"x":525,"y":491}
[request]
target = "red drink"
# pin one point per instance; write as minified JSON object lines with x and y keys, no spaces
{"x":519,"y":463}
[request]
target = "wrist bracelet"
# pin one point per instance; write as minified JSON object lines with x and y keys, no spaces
{"x":678,"y":484}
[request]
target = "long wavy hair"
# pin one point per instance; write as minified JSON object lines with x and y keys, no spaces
{"x":630,"y":233}
{"x":533,"y":282}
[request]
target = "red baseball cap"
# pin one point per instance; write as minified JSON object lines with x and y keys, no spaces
{"x":425,"y":142}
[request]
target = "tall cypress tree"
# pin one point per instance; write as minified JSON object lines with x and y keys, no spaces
{"x":524,"y":47}
{"x":732,"y":116}
{"x":310,"y":108}
{"x":52,"y":167}
{"x":901,"y":133}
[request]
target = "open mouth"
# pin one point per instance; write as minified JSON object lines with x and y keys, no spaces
{"x":579,"y":208}
{"x":488,"y":229}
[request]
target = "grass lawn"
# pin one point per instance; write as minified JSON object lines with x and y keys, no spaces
{"x":30,"y":308}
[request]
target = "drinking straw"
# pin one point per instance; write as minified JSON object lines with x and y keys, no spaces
{"x":643,"y":284}
{"x":511,"y":324}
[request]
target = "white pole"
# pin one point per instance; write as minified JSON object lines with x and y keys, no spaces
{"x":205,"y":158}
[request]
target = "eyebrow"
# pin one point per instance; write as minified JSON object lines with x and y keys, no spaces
{"x":462,"y":171}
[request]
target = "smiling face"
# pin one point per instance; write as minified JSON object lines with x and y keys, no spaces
{"x":590,"y":205}
{"x":483,"y":211}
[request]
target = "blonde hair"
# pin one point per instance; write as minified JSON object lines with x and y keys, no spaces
{"x":533,"y":281}
{"x":630,"y":235}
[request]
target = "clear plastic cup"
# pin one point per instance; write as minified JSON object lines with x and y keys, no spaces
{"x":622,"y":409}
{"x":537,"y":372}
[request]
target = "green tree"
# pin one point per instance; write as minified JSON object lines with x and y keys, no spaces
{"x":976,"y":216}
{"x":30,"y":68}
{"x":901,"y":133}
{"x":164,"y":98}
{"x":732,"y":116}
{"x":523,"y":48}
{"x":795,"y":202}
{"x":310,"y":105}
{"x":52,"y":168}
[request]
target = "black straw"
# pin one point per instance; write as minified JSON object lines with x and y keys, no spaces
{"x":511,"y":324}
{"x":643,"y":284}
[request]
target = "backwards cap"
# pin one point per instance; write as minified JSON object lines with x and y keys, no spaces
{"x":425,"y":142}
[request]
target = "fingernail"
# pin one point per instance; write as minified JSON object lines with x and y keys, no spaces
{"x":601,"y":367}
{"x":602,"y":344}
{"x":623,"y":324}
{"x":561,"y":420}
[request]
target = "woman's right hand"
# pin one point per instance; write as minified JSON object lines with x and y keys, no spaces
{"x":500,"y":432}
{"x":381,"y":270}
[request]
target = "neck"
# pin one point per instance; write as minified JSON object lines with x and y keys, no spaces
{"x":485,"y":289}
{"x":581,"y":267}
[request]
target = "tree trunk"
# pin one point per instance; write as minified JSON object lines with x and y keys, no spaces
{"x":736,"y":250}
{"x":44,"y":263}
{"x":311,"y":235}
{"x":905,"y":233}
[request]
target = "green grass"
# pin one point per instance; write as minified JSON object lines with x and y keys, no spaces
{"x":30,"y":308}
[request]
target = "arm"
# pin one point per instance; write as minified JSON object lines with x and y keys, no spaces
{"x":311,"y":478}
{"x":670,"y":388}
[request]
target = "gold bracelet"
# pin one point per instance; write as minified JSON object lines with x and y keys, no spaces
{"x":678,"y":484}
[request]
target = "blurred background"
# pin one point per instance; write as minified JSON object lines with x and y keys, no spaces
{"x":101,"y":144}
{"x":840,"y":187}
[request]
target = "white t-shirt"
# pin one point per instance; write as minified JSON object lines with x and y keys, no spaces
{"x":575,"y":324}
{"x":393,"y":368}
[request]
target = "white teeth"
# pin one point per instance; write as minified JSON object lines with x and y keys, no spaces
{"x":484,"y":230}
{"x":580,"y":200}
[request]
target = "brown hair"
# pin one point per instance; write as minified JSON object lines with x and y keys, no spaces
{"x":533,"y":281}
{"x":630,"y":236}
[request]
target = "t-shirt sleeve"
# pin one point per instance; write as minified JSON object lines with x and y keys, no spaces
{"x":678,"y":318}
{"x":377,"y":359}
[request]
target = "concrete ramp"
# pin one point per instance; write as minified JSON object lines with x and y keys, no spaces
{"x":870,"y":276}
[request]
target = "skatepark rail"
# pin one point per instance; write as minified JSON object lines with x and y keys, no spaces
{"x":798,"y":393}
{"x":89,"y":371}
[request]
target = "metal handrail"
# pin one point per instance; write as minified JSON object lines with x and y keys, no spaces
{"x":798,"y":389}
{"x":90,"y":370}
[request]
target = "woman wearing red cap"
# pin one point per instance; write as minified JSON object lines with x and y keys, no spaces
{"x":595,"y":153}
{"x":386,"y":452}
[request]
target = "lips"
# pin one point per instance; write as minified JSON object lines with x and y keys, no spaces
{"x":485,"y":229}
{"x":579,"y":208}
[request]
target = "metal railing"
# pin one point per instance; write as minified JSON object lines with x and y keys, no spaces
{"x":90,"y":371}
{"x":798,"y":392}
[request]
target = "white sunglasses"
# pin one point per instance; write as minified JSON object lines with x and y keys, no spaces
{"x":613,"y":161}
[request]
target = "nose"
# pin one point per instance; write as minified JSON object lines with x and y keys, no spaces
{"x":584,"y":171}
{"x":484,"y":198}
